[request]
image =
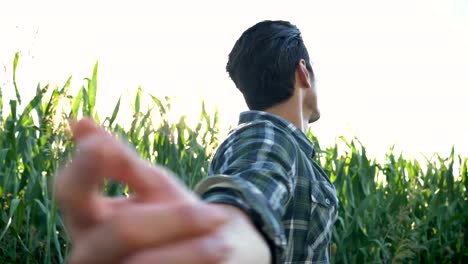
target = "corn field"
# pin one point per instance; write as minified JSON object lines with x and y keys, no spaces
{"x":396,"y":211}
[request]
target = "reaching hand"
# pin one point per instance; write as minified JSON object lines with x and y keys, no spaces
{"x":161,"y":222}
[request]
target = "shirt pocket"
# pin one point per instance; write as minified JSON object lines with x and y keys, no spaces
{"x":323,"y":212}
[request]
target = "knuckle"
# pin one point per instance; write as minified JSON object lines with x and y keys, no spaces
{"x":90,"y":148}
{"x":122,"y":161}
{"x":188,"y":212}
{"x":120,"y":156}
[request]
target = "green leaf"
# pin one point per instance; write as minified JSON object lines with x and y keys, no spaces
{"x":162,"y":108}
{"x":15,"y":65}
{"x":66,"y":86}
{"x":136,"y":108}
{"x":42,"y":206}
{"x":76,"y":103}
{"x":92,"y":89}
{"x":85,"y":109}
{"x":115,"y":112}
{"x":13,"y":206}
{"x":13,"y":105}
{"x":1,"y":106}
{"x":27,"y":110}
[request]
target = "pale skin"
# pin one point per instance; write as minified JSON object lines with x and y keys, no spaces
{"x":162,"y":221}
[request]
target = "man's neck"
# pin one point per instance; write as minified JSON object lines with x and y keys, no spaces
{"x":290,"y":111}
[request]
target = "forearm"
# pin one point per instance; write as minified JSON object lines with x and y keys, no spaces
{"x":248,"y":245}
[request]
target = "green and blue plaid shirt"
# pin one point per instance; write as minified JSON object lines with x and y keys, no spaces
{"x":266,"y":168}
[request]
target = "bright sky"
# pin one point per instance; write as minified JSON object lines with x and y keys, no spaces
{"x":389,"y":72}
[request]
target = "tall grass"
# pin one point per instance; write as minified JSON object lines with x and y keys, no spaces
{"x":396,"y":212}
{"x":390,"y":212}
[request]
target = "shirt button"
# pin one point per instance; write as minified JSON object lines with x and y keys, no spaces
{"x":327,"y":201}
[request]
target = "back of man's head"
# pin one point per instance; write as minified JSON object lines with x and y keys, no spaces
{"x":263,"y":61}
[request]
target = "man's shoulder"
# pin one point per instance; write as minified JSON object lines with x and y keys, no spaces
{"x":258,"y":130}
{"x":255,"y":140}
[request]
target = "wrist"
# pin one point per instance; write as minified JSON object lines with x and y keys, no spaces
{"x":246,"y":242}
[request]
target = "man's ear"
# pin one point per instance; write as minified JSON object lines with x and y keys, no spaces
{"x":303,"y":75}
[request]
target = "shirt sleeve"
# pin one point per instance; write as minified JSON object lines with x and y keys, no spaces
{"x":255,"y":171}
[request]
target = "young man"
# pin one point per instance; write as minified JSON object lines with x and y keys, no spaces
{"x":268,"y":161}
{"x":266,"y":199}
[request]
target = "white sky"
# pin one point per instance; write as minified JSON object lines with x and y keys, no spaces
{"x":389,"y":72}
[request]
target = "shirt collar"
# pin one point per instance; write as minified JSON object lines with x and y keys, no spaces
{"x":304,"y":142}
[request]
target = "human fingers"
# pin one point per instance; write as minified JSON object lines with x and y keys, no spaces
{"x":99,"y":155}
{"x":144,"y":226}
{"x":76,"y":187}
{"x":122,"y":163}
{"x":84,"y":127}
{"x":208,"y":249}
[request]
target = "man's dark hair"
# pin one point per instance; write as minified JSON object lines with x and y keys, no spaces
{"x":263,"y":62}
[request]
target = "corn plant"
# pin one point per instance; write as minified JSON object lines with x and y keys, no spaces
{"x":408,"y":215}
{"x":34,"y":143}
{"x":396,"y":211}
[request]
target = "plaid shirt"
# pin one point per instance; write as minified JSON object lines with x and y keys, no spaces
{"x":266,"y":168}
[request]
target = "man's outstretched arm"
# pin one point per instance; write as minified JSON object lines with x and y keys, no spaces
{"x":236,"y":241}
{"x":162,"y":222}
{"x":254,"y":170}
